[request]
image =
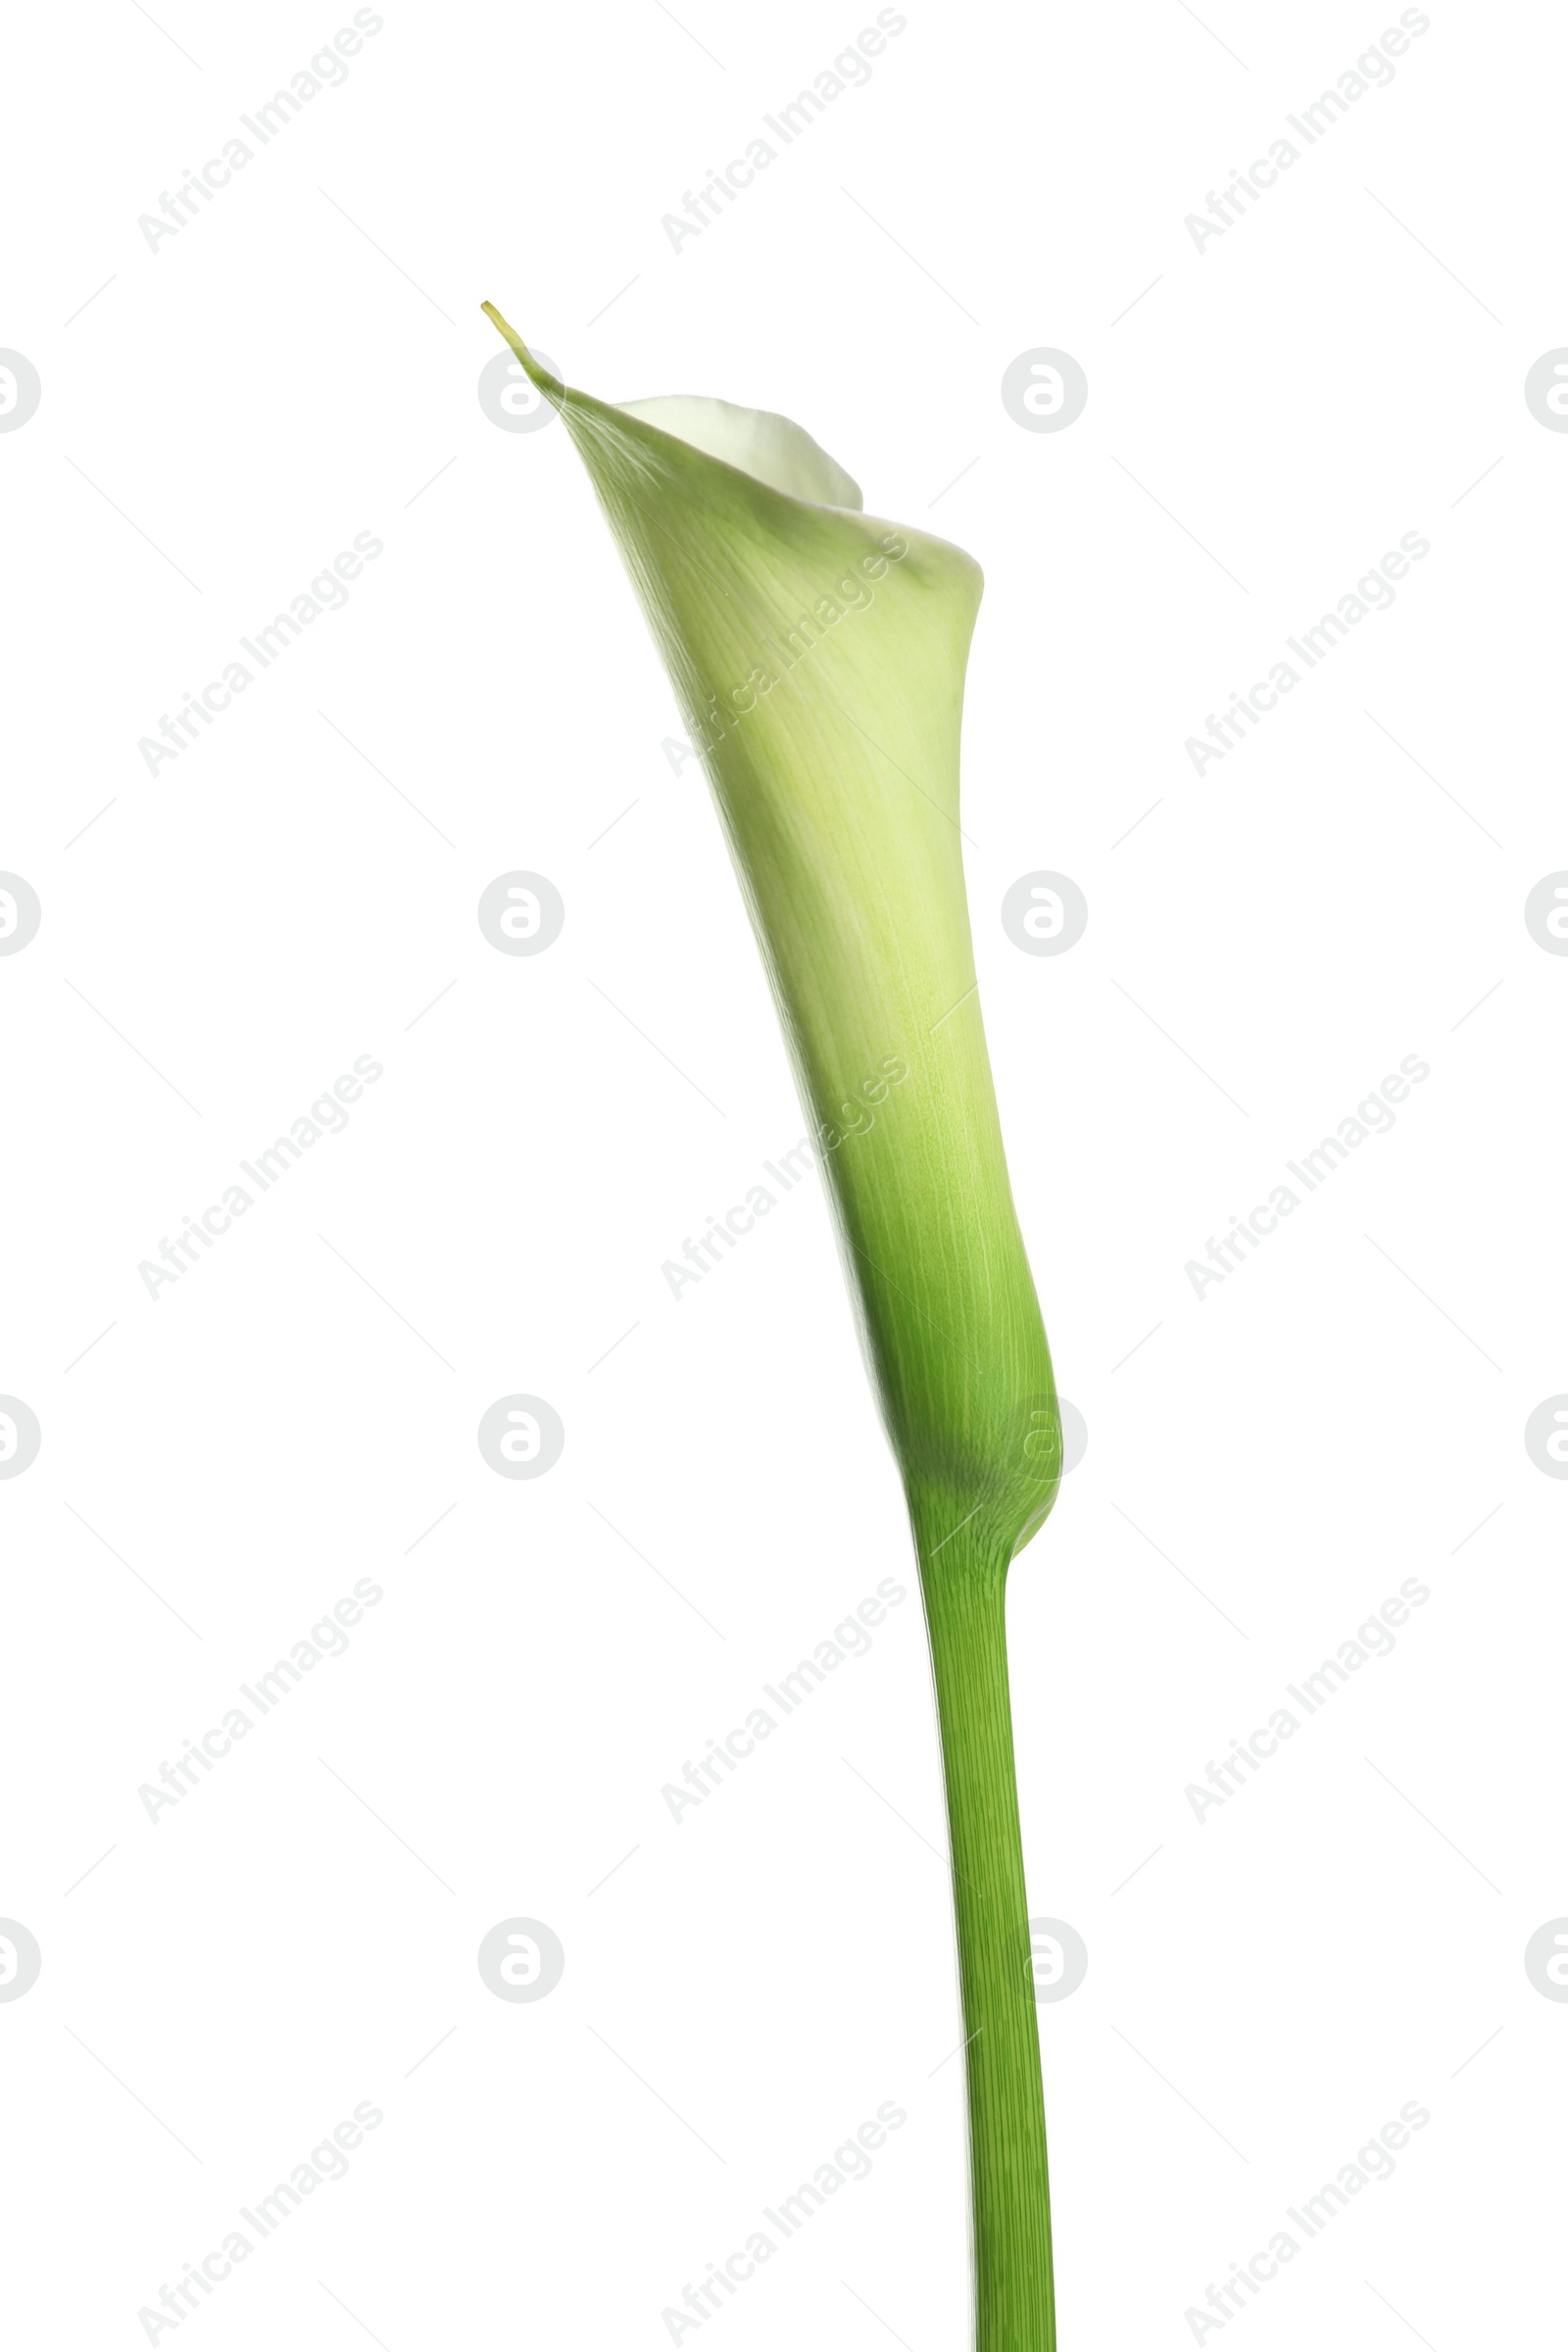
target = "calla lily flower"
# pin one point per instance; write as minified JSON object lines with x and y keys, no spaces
{"x":818,"y":656}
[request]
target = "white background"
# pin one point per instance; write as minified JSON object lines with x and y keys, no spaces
{"x":298,"y":364}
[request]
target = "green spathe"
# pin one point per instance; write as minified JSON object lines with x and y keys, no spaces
{"x":818,"y":658}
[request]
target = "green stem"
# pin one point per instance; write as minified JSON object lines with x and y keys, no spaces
{"x":967,"y":1616}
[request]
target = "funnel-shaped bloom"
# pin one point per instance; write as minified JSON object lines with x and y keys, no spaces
{"x":818,"y":658}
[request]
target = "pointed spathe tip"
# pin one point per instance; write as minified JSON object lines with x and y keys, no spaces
{"x":539,"y":376}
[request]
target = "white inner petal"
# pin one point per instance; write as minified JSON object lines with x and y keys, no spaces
{"x":769,"y":448}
